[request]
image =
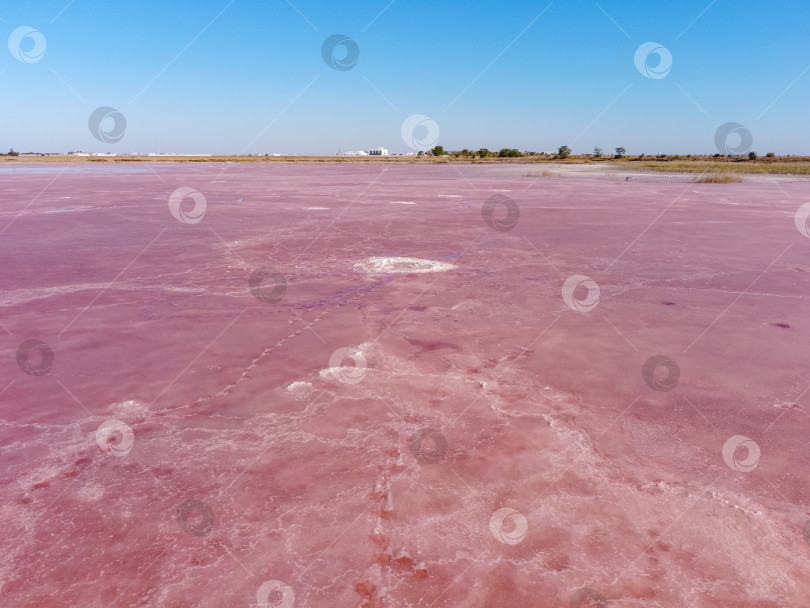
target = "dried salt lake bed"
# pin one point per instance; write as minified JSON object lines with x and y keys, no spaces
{"x":376,"y":385}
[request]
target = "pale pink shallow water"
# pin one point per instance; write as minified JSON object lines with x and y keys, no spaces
{"x":319,"y":484}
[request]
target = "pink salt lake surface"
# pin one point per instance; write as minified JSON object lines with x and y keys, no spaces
{"x":485,"y":437}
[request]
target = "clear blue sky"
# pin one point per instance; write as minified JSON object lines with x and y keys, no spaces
{"x":260,"y":61}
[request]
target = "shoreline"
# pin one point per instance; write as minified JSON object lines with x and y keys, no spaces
{"x":534,"y":167}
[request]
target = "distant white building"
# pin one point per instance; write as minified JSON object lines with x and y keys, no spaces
{"x":374,"y":152}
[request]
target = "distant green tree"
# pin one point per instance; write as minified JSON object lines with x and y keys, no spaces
{"x":597,"y":152}
{"x":11,"y":152}
{"x":752,"y":155}
{"x":438,"y":151}
{"x":420,"y":153}
{"x":509,"y":153}
{"x":620,"y":152}
{"x":484,"y":153}
{"x":564,"y":152}
{"x":770,"y":155}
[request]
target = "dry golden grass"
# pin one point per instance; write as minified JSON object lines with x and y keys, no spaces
{"x":717,"y":178}
{"x":699,"y":166}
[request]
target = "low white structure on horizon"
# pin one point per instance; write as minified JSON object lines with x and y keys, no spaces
{"x":375,"y":152}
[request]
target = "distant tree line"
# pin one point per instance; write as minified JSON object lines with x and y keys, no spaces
{"x":481,"y":153}
{"x":564,"y":152}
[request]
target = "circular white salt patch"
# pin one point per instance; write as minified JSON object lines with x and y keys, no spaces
{"x":401,"y":265}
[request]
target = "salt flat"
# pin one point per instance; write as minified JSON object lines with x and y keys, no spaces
{"x":511,"y":391}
